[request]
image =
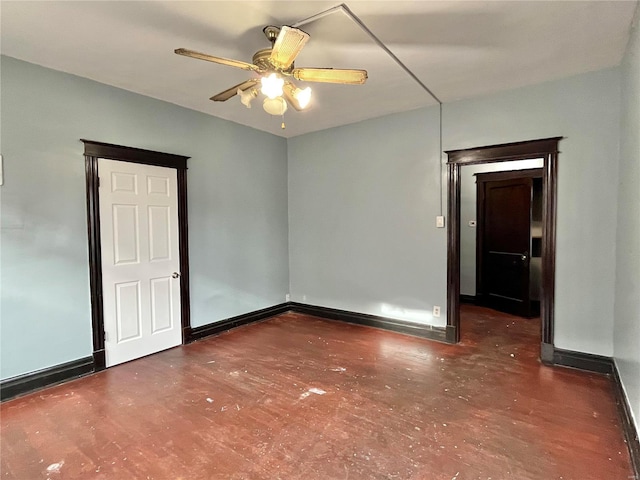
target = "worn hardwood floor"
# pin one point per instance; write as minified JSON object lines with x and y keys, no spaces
{"x":298,"y":397}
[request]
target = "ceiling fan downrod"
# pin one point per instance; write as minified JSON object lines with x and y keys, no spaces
{"x":271,"y":33}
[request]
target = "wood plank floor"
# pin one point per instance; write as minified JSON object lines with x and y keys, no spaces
{"x":298,"y":397}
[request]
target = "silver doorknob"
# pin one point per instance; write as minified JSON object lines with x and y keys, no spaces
{"x":175,"y":275}
{"x":524,"y":257}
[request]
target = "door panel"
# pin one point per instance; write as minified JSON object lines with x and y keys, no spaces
{"x":157,"y":186}
{"x":504,"y":272}
{"x":127,"y":311}
{"x":505,"y":229}
{"x":124,"y":182}
{"x":159,"y":233}
{"x":507,"y":213}
{"x":125,"y":234}
{"x":140,"y":252}
{"x":161,"y":318}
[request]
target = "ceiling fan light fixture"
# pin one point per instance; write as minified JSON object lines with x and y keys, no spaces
{"x":302,"y":96}
{"x":247,"y":96}
{"x":274,"y":71}
{"x":275,"y":106}
{"x":272,"y":86}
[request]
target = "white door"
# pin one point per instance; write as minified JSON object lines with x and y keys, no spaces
{"x":140,"y":259}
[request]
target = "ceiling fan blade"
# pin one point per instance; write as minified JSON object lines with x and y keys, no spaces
{"x":287,"y":46}
{"x":230,"y":92}
{"x":288,"y":91}
{"x":330,"y":75}
{"x":220,"y":60}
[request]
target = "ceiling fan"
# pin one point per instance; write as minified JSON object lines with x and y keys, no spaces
{"x":275,"y":70}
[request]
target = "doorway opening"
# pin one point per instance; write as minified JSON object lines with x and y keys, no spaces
{"x":547,"y":150}
{"x":158,"y":219}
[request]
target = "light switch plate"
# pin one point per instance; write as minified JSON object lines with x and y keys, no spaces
{"x":440,"y":221}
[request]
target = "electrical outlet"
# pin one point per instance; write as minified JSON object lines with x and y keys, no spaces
{"x":436,"y":311}
{"x":440,"y":221}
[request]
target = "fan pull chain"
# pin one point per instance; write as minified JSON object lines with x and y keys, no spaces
{"x":283,"y":126}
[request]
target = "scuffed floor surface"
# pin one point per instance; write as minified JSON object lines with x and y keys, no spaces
{"x":298,"y":397}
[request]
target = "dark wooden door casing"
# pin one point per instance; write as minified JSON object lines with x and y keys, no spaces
{"x":92,"y":152}
{"x":547,"y":149}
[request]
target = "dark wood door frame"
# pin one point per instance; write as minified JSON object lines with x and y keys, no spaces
{"x":92,"y":152}
{"x":546,"y":149}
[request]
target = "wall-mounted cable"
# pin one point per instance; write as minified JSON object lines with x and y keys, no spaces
{"x":343,"y":8}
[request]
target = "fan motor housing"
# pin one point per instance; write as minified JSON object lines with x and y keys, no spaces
{"x":262,"y":59}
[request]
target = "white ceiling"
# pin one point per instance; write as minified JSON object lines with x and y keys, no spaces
{"x":457,"y":49}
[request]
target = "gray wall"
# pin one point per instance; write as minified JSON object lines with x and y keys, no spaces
{"x":237,"y":182}
{"x":468,"y":196}
{"x":362,"y":205}
{"x":362,"y":202}
{"x":627,"y":306}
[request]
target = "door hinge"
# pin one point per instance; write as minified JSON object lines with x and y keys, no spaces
{"x":98,"y":182}
{"x":104,"y":336}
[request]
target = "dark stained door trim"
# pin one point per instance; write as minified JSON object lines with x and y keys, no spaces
{"x":509,"y":175}
{"x":92,"y":152}
{"x":547,"y":149}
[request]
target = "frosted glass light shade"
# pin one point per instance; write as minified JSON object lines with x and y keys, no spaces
{"x":303,"y":97}
{"x":275,"y":106}
{"x":247,"y":96}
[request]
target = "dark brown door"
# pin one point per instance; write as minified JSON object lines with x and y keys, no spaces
{"x":504,"y":239}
